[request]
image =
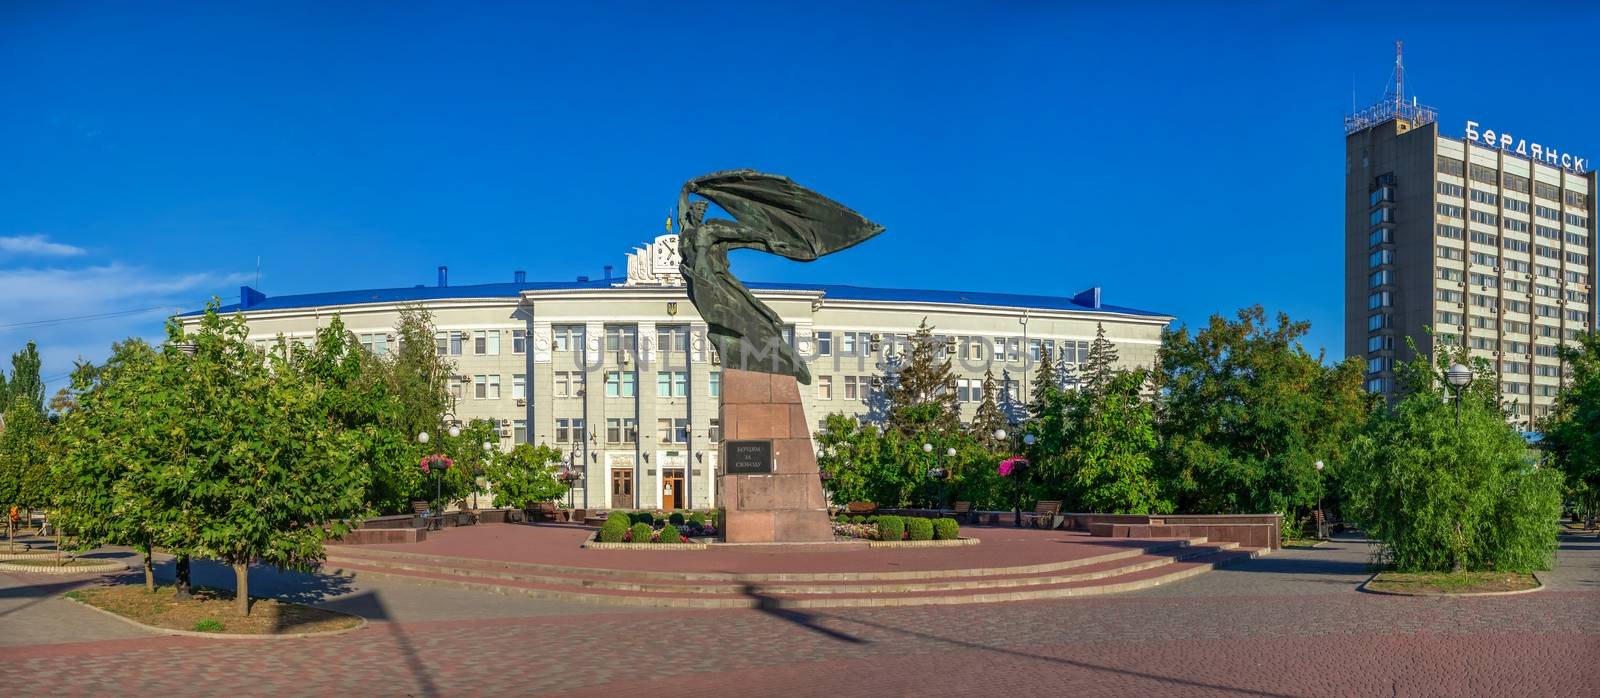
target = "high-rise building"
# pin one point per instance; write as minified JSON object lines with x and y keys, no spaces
{"x":1486,"y":238}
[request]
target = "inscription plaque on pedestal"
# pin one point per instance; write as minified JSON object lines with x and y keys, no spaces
{"x":749,"y":458}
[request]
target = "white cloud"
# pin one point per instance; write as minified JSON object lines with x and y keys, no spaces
{"x":38,"y":246}
{"x":76,"y":313}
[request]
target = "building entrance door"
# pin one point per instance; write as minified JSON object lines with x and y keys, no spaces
{"x":672,"y":488}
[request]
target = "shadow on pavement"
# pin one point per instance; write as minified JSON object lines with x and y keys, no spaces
{"x":966,"y":644}
{"x":770,"y":606}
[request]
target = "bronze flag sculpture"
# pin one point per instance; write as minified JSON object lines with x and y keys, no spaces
{"x":772,"y":214}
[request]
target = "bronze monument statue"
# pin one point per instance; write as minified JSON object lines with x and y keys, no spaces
{"x":770,"y":491}
{"x":772,"y":214}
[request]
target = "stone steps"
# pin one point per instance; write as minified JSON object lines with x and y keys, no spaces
{"x":1124,"y":572}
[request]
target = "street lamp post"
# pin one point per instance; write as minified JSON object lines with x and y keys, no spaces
{"x":488,"y":456}
{"x":1322,"y":519}
{"x":438,"y":484}
{"x":1459,"y":377}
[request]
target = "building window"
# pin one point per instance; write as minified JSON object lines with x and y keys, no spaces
{"x":519,"y":386}
{"x":622,"y":338}
{"x":1487,"y":260}
{"x":824,"y":343}
{"x":714,"y":383}
{"x":1449,"y":189}
{"x":519,"y":341}
{"x":1489,"y":239}
{"x":1449,"y":274}
{"x":622,"y":384}
{"x":519,"y":431}
{"x":853,"y":390}
{"x":622,"y":487}
{"x":1485,"y":218}
{"x":566,"y":337}
{"x":1515,"y":182}
{"x":1483,"y":174}
{"x":673,"y":338}
{"x":969,"y":390}
{"x":1384,"y":194}
{"x":1485,"y":198}
{"x":1382,"y":257}
{"x":1449,"y":210}
{"x":1380,"y":299}
{"x":486,"y":342}
{"x":622,"y":430}
{"x":1514,"y":225}
{"x":486,"y":386}
{"x":1517,"y":205}
{"x":714,"y":431}
{"x":376,"y":343}
{"x":1381,"y":216}
{"x":1447,"y":295}
{"x":1074,"y":352}
{"x":1448,"y":231}
{"x":672,"y":383}
{"x":569,"y":429}
{"x":449,"y":343}
{"x":1547,"y":212}
{"x":1374,"y":238}
{"x":1547,"y":191}
{"x":1451,"y":166}
{"x":567,"y":384}
{"x":672,"y":430}
{"x":1381,"y":342}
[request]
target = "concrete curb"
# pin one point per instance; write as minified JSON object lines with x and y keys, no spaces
{"x":369,"y":556}
{"x":223,"y":636}
{"x":594,"y":543}
{"x":102,"y":568}
{"x":922,"y":543}
{"x":1469,"y":594}
{"x":34,"y":555}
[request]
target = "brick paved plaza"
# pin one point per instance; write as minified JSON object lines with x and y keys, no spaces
{"x":1289,"y":624}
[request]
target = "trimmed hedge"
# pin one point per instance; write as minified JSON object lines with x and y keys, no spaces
{"x":676,"y":519}
{"x":946,"y":529}
{"x":642,"y":532}
{"x":642,"y":517}
{"x":614,"y":529}
{"x":919,"y":529}
{"x":669,"y":534}
{"x":697,"y":517}
{"x":891,"y":528}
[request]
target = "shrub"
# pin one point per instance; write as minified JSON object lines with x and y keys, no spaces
{"x":858,"y":519}
{"x":946,"y":529}
{"x":697,"y":518}
{"x":891,"y":528}
{"x":669,"y":534}
{"x":621,"y":516}
{"x":872,"y":519}
{"x":676,"y":519}
{"x":642,"y":517}
{"x":614,"y":529}
{"x":919,"y":529}
{"x":208,"y":625}
{"x":1438,"y":493}
{"x":642,"y":532}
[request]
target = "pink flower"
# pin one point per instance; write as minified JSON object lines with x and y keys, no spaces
{"x":1012,"y":465}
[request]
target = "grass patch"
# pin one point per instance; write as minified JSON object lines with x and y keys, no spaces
{"x":1302,"y":542}
{"x":1451,"y":583}
{"x":161,"y":609}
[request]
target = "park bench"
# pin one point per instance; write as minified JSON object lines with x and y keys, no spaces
{"x":963,"y":512}
{"x":430,"y":521}
{"x":1044,"y":514}
{"x":549,"y":511}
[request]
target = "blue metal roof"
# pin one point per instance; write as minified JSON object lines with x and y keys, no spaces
{"x":1082,"y":302}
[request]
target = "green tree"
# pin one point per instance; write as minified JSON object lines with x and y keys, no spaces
{"x":25,"y":450}
{"x":359,"y":397}
{"x":921,"y":397}
{"x":526,"y":476}
{"x":1101,"y":368}
{"x":987,"y":418}
{"x":1110,"y":449}
{"x":1572,"y":432}
{"x":25,"y":382}
{"x":1245,"y":412}
{"x":1446,"y":485}
{"x":120,"y":471}
{"x":269,"y":474}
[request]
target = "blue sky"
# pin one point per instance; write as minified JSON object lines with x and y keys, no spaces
{"x":1186,"y":157}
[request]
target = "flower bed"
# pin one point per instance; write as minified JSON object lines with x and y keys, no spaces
{"x":891,"y":531}
{"x":643,"y":528}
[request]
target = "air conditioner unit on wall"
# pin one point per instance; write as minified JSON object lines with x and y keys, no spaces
{"x":505,"y":422}
{"x":521,"y":402}
{"x":505,"y":433}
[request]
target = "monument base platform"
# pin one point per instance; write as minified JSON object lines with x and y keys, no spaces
{"x":770,"y":491}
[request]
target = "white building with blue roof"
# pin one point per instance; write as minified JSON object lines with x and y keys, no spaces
{"x":617,"y":373}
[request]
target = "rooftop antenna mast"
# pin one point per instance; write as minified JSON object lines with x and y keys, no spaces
{"x":1399,"y":73}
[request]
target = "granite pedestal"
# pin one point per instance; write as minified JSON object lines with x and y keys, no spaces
{"x":784,"y":505}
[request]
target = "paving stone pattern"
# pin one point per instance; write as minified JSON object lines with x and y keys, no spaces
{"x":1290,"y":624}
